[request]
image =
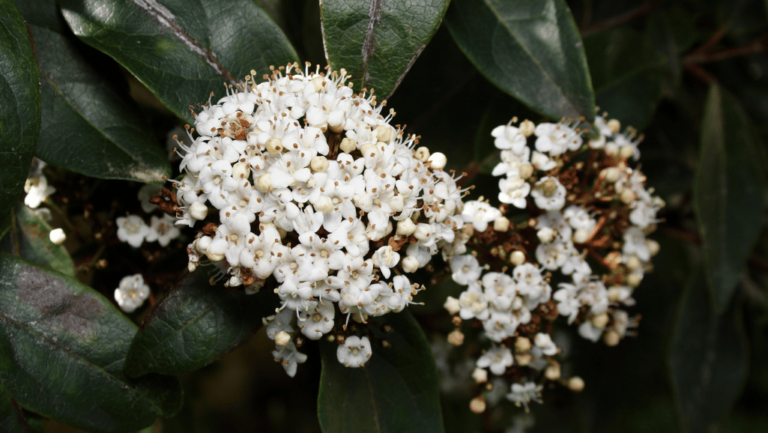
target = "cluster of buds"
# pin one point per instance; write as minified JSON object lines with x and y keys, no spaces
{"x":578,"y":249}
{"x":302,"y":185}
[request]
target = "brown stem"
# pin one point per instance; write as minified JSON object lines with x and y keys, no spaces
{"x":618,"y":20}
{"x":698,"y":58}
{"x":699,"y":73}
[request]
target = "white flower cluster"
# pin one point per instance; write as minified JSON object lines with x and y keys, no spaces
{"x":133,"y":230}
{"x":572,"y":218}
{"x":36,"y":186}
{"x":131,"y":293}
{"x":311,"y":185}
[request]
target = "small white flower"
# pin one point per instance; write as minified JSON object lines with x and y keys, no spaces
{"x":317,"y":322}
{"x":524,"y":393}
{"x":57,"y":236}
{"x":131,"y":293}
{"x":355,"y":351}
{"x":132,"y":229}
{"x":496,"y":359}
{"x":145,"y":193}
{"x":634,"y":243}
{"x":289,"y":357}
{"x":479,"y":214}
{"x":513,"y":190}
{"x":544,"y":342}
{"x":37,"y":190}
{"x":589,"y":331}
{"x":473,"y":303}
{"x":162,"y":230}
{"x":549,"y":194}
{"x":465,"y":269}
{"x":385,"y":258}
{"x":509,"y":137}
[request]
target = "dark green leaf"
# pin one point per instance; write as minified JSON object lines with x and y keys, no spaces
{"x":11,"y":417}
{"x":377,"y":41}
{"x":396,"y":390}
{"x":19,"y":104}
{"x":29,"y":239}
{"x":708,"y":357}
{"x":195,"y":325}
{"x":62,"y":350}
{"x":626,"y":73}
{"x":180,"y":51}
{"x":530,"y":49}
{"x":89,"y":123}
{"x":728,"y":192}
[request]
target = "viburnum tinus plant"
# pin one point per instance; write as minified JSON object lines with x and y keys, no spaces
{"x":292,"y":215}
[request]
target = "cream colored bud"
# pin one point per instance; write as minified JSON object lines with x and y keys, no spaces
{"x":633,"y":263}
{"x":548,"y":187}
{"x":611,"y":174}
{"x":198,"y":210}
{"x":410,"y":264}
{"x":437,"y":161}
{"x":369,"y":150}
{"x":501,"y":224}
{"x":517,"y":258}
{"x":546,"y":235}
{"x":597,"y":143}
{"x":406,"y":227}
{"x":627,"y":196}
{"x":57,"y":236}
{"x":480,"y":375}
{"x":348,"y":145}
{"x":240,"y":170}
{"x":614,"y":125}
{"x":324,"y":204}
{"x":552,"y":371}
{"x":525,"y":170}
{"x":397,"y":203}
{"x":422,"y":154}
{"x":318,"y":82}
{"x":336,"y":121}
{"x":626,"y":151}
{"x":384,"y":133}
{"x":456,"y":338}
{"x":274,"y":146}
{"x":477,"y":405}
{"x":202,"y":244}
{"x":576,"y":384}
{"x":524,"y":359}
{"x":527,"y":128}
{"x":611,"y":149}
{"x":422,"y":232}
{"x":653,"y":246}
{"x":358,"y":319}
{"x":214,"y":257}
{"x":522,"y":345}
{"x":600,"y":320}
{"x":452,"y":305}
{"x":580,"y":236}
{"x":191,"y":266}
{"x":614,"y":294}
{"x":281,"y":232}
{"x":634,"y":279}
{"x":612,"y":338}
{"x":468,"y":230}
{"x":319,"y":164}
{"x":264,"y":183}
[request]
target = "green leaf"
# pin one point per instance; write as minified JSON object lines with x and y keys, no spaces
{"x":727,"y":192}
{"x":11,"y":417}
{"x":530,"y":49}
{"x":19,"y":104}
{"x":396,"y":391}
{"x":182,"y":51}
{"x":377,"y":41}
{"x":89,"y":123}
{"x":29,"y":239}
{"x":195,"y":325}
{"x":62,"y":351}
{"x":626,"y":73}
{"x":708,"y":357}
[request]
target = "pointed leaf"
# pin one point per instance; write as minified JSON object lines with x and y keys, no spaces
{"x":530,"y":49}
{"x":181,"y":51}
{"x":19,"y":104}
{"x":195,"y":325}
{"x":728,"y":192}
{"x":62,"y":350}
{"x":708,"y":357}
{"x":89,"y":123}
{"x":29,"y":238}
{"x":377,"y":41}
{"x":396,"y":391}
{"x":11,"y":416}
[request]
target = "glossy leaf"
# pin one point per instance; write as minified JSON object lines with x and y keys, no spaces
{"x":396,"y":390}
{"x":62,"y":350}
{"x":377,"y":41}
{"x":626,"y":74}
{"x":708,"y":357}
{"x":179,"y":51}
{"x":728,"y":192}
{"x":11,"y":417}
{"x":89,"y":123}
{"x":530,"y":49}
{"x":195,"y":325}
{"x":19,"y":105}
{"x":29,"y":238}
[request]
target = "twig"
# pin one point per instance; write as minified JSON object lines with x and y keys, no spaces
{"x":618,"y":20}
{"x":699,"y":73}
{"x":703,"y":57}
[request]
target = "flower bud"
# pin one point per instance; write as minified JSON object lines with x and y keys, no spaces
{"x":406,"y":227}
{"x":597,"y":143}
{"x":241,"y":170}
{"x":264,"y":183}
{"x":546,"y":235}
{"x":524,"y":359}
{"x":525,"y":170}
{"x":437,"y":161}
{"x":336,"y":121}
{"x":501,"y":224}
{"x":548,"y":187}
{"x":576,"y":384}
{"x":456,"y":338}
{"x":627,"y":196}
{"x":191,"y":266}
{"x":611,"y":174}
{"x":318,"y":164}
{"x":626,"y":151}
{"x":614,"y":294}
{"x":633,"y":263}
{"x":522,"y":344}
{"x":282,"y":338}
{"x":347,"y":145}
{"x":214,"y":257}
{"x":600,"y":320}
{"x":324,"y":204}
{"x":527,"y":128}
{"x":611,"y":149}
{"x":202,"y":244}
{"x":614,"y":125}
{"x":397,"y":203}
{"x":274,"y":146}
{"x":57,"y":236}
{"x":477,"y":405}
{"x":653,"y":246}
{"x":552,"y":371}
{"x":384,"y":133}
{"x":517,"y":258}
{"x":410,"y":264}
{"x":580,"y":236}
{"x":198,"y":210}
{"x":422,"y":154}
{"x":611,"y":338}
{"x":422,"y":232}
{"x":634,"y":279}
{"x":452,"y":305}
{"x":318,"y":82}
{"x":480,"y":375}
